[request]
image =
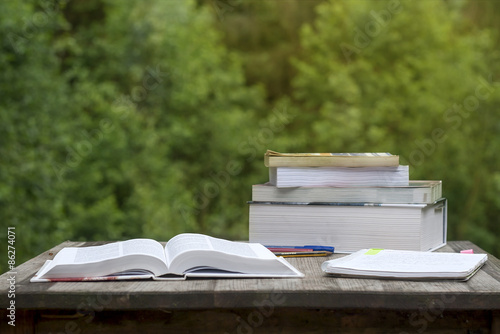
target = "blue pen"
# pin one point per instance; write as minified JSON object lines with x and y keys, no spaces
{"x":313,"y":247}
{"x":320,"y":248}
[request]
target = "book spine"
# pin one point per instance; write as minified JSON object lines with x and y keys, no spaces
{"x":330,"y":160}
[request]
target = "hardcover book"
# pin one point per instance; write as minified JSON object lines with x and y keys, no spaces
{"x":276,"y":159}
{"x":185,"y":255}
{"x":283,"y":177}
{"x":350,"y":227}
{"x":415,"y":192}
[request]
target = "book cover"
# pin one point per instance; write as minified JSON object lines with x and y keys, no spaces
{"x":276,"y":159}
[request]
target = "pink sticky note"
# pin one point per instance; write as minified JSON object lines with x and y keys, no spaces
{"x":467,"y":251}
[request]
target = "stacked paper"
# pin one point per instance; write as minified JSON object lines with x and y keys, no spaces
{"x":282,"y":177}
{"x":350,"y":226}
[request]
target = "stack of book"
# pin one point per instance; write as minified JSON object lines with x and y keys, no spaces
{"x":350,"y":201}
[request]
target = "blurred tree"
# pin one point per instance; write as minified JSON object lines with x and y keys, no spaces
{"x":121,"y":119}
{"x":483,"y":14}
{"x":405,"y":77}
{"x":33,"y":96}
{"x":266,"y":35}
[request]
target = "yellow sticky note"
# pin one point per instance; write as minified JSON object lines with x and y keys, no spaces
{"x":373,"y":251}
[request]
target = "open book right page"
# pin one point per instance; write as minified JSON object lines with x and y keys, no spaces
{"x":201,"y":255}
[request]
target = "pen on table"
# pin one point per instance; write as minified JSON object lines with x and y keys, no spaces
{"x":284,"y":249}
{"x":306,"y":247}
{"x":302,"y":254}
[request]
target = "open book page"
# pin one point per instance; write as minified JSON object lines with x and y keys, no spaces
{"x":144,"y":246}
{"x":135,"y":254}
{"x":183,"y":243}
{"x":196,"y":252}
{"x":191,"y":242}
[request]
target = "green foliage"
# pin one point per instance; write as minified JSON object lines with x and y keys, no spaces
{"x":404,"y":77}
{"x":123,"y":119}
{"x":33,"y":96}
{"x":266,"y":34}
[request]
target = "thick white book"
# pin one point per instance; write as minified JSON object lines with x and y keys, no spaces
{"x":414,"y":192}
{"x":350,"y":227}
{"x":386,"y":263}
{"x":185,"y":255}
{"x":283,"y":177}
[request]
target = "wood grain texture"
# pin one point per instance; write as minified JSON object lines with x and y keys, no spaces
{"x":316,"y":290}
{"x":289,"y":320}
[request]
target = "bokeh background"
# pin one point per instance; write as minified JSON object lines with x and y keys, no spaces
{"x":123,"y":119}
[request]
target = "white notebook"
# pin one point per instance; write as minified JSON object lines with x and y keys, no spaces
{"x":396,"y":264}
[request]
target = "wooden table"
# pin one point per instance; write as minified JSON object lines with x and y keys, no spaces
{"x":314,"y":304}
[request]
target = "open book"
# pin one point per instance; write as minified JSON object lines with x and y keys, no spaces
{"x":414,"y":265}
{"x":185,"y":255}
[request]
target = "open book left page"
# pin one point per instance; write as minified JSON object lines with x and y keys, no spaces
{"x":135,"y":258}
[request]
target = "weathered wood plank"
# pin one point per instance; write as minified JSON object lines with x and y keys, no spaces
{"x":26,"y":270}
{"x":495,"y":322}
{"x":22,"y":323}
{"x":266,"y":320}
{"x":493,"y":265}
{"x":316,"y":290}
